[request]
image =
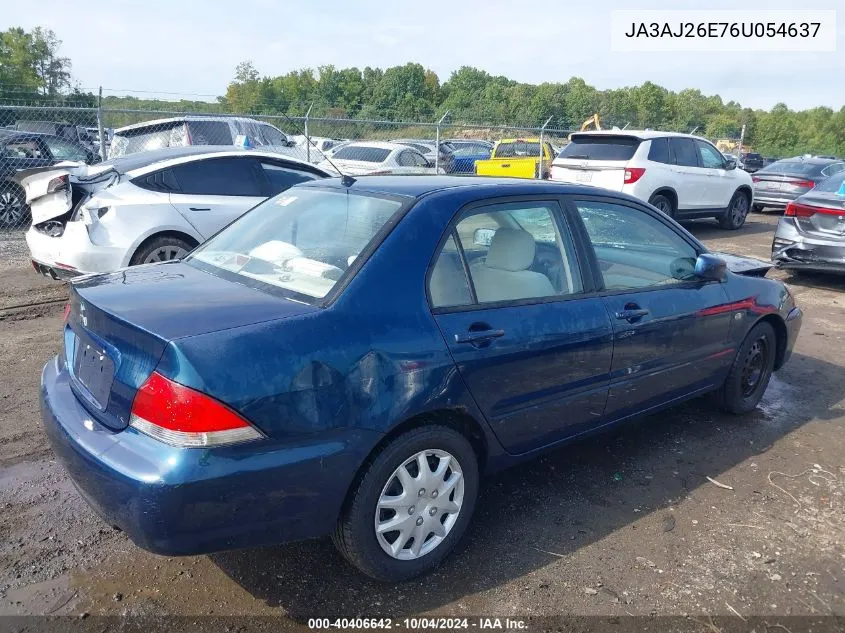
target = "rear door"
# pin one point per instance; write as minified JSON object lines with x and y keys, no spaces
{"x":595,"y":159}
{"x":690,"y":178}
{"x":671,"y":331}
{"x":214,"y":191}
{"x":531,"y":342}
{"x":719,"y":186}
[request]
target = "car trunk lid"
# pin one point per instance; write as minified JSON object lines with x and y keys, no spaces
{"x":53,"y":192}
{"x":608,"y":174}
{"x":120,"y":323}
{"x":828,"y":219}
{"x":596,"y":159}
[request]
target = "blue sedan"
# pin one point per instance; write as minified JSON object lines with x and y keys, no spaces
{"x":350,"y":357}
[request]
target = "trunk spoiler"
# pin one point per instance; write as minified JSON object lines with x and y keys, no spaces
{"x":748,"y":266}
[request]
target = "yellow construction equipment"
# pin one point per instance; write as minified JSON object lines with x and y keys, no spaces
{"x":594,"y":120}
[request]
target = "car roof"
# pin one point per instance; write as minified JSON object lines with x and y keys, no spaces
{"x":142,"y":160}
{"x":416,"y":186}
{"x":377,"y":144}
{"x":188,"y":117}
{"x":640,"y":134}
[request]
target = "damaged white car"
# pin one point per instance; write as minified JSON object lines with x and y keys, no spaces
{"x":147,"y":207}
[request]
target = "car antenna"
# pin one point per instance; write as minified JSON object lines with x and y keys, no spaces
{"x":345,"y":179}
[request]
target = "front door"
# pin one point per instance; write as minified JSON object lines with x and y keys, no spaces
{"x":671,"y":333}
{"x":532,"y":346}
{"x":215,"y":191}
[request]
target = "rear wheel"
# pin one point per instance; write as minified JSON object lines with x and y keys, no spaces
{"x":161,"y":249}
{"x":736,"y":212}
{"x":412,"y":505}
{"x":664,"y":204}
{"x":14,"y":211}
{"x":750,"y":372}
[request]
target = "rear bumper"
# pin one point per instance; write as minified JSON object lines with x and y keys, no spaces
{"x":795,"y":250}
{"x":176,"y":501}
{"x":72,"y":253}
{"x":772,"y":200}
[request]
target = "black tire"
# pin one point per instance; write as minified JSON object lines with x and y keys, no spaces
{"x":757,"y":208}
{"x":735,"y":214}
{"x":161,"y":249}
{"x":14,"y":211}
{"x":663,"y":204}
{"x":750,"y":372}
{"x":355,"y":535}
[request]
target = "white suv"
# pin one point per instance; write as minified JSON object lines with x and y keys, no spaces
{"x":684,"y":176}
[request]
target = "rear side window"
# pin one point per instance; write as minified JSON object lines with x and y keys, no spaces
{"x":281,"y":178}
{"x":659,"y":150}
{"x":833,"y":169}
{"x":210,"y":133}
{"x":219,"y":177}
{"x":363,"y":153}
{"x":605,"y":147}
{"x":684,"y":151}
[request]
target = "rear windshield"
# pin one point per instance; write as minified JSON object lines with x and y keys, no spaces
{"x":302,"y":241}
{"x":519,"y":148}
{"x":144,"y":139}
{"x":363,"y":153}
{"x":797,"y":167}
{"x":590,"y":147}
{"x":832,"y":185}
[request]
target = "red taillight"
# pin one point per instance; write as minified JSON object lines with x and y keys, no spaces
{"x":755,"y":179}
{"x":633,"y":174}
{"x":181,"y":416}
{"x":809,"y":184}
{"x":57,"y":184}
{"x":798,"y":210}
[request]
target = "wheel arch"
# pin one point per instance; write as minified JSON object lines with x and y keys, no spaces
{"x":748,"y":191}
{"x":176,"y":233}
{"x":669,"y":192}
{"x":456,"y":419}
{"x":781,"y":336}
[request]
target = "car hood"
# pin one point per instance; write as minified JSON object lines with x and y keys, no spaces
{"x":173,"y":300}
{"x":742,"y":265}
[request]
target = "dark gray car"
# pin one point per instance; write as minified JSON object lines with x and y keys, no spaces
{"x":783,"y":181}
{"x":811,"y":233}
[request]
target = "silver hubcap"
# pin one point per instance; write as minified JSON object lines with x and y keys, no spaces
{"x":419,"y":505}
{"x":165,"y":254}
{"x":11,"y":208}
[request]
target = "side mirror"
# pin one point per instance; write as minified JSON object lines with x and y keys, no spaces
{"x":710,"y":268}
{"x":731,"y":163}
{"x":483,"y":237}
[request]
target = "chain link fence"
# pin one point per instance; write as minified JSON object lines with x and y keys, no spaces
{"x":40,"y":135}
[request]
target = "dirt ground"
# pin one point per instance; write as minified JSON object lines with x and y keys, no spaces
{"x":624,"y":523}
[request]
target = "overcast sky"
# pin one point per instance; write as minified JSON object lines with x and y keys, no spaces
{"x":193,"y":46}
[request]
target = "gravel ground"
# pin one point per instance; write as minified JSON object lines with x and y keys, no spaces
{"x":624,"y":523}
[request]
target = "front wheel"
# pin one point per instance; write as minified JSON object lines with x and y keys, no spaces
{"x":736,"y":212}
{"x":750,"y":372}
{"x":412,"y":505}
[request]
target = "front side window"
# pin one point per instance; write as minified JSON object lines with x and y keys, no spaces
{"x":271,"y":135}
{"x":513,"y":252}
{"x":210,"y":133}
{"x":233,"y":176}
{"x":302,"y":241}
{"x":634,"y":249}
{"x":710,"y":156}
{"x":684,"y":150}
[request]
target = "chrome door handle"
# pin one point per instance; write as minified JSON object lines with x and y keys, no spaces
{"x":478,"y":337}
